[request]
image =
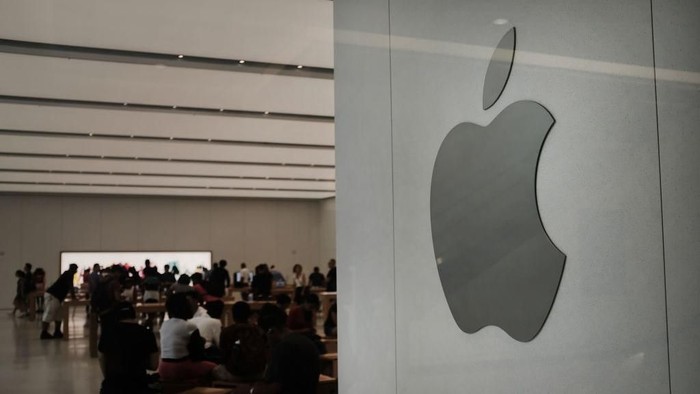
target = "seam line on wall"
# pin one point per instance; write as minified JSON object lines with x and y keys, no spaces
{"x":393,"y":203}
{"x":661,"y":200}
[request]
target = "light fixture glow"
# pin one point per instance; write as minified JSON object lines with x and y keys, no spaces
{"x":267,"y":112}
{"x":300,"y":66}
{"x":180,"y":56}
{"x":174,"y":106}
{"x":241,"y":61}
{"x":90,"y":134}
{"x":500,"y":21}
{"x":221,"y":110}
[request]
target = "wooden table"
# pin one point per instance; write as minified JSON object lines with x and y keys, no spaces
{"x":331,"y":358}
{"x":65,"y":313}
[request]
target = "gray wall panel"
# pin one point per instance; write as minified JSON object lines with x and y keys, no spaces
{"x":364,"y":203}
{"x":677,"y":39}
{"x":591,"y":65}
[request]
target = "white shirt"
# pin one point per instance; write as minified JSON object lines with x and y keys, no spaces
{"x":174,"y":337}
{"x":209,"y":328}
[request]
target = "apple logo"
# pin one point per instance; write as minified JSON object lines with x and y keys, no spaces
{"x":495,"y":260}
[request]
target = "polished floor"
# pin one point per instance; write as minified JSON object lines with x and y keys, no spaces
{"x":30,"y":365}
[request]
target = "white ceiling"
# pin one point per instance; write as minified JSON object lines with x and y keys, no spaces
{"x":95,"y":99}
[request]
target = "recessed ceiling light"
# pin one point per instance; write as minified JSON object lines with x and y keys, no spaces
{"x":171,"y":138}
{"x":180,"y":56}
{"x":209,"y":139}
{"x":174,"y":106}
{"x":131,"y":136}
{"x":300,"y":66}
{"x":125,"y":104}
{"x":90,"y":134}
{"x":500,"y":21}
{"x":267,"y":112}
{"x":241,"y":61}
{"x":221,"y":110}
{"x":136,"y":158}
{"x":102,"y":157}
{"x":67,"y":155}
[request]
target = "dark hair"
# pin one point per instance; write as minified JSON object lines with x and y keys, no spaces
{"x":20,"y":274}
{"x":283,"y":299}
{"x":166,"y":267}
{"x":197,"y":278}
{"x":271,"y":316}
{"x":214,"y":309}
{"x":96,"y":267}
{"x":312,"y":299}
{"x":178,"y":306}
{"x":316,"y":269}
{"x":73,"y":267}
{"x":148,"y":263}
{"x":243,"y":265}
{"x":222,"y":263}
{"x":241,"y":312}
{"x":28,"y":265}
{"x":184,"y":279}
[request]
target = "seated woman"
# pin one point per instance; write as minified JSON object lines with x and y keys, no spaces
{"x":182,"y":346}
{"x":330,"y":326}
{"x":127,"y":350}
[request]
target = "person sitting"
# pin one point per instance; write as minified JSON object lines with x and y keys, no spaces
{"x":316,"y":279}
{"x":294,"y":365}
{"x":277,"y":277}
{"x":243,"y":348}
{"x":302,"y":318}
{"x":182,"y":346}
{"x":208,"y":322}
{"x":283,"y":301}
{"x":330,"y":326}
{"x":182,"y":285}
{"x":126,"y":352}
{"x":199,"y":286}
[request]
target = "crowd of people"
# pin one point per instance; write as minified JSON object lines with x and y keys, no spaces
{"x":274,"y":350}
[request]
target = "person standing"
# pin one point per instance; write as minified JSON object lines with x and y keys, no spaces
{"x":53,"y":300}
{"x":299,"y":280}
{"x":219,"y":280}
{"x":316,"y":279}
{"x":331,"y":277}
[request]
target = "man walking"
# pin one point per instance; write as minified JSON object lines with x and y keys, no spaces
{"x":53,"y":301}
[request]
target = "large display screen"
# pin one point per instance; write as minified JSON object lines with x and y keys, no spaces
{"x":182,"y":262}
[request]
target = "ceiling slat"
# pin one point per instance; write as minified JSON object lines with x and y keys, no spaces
{"x":164,"y":168}
{"x":172,"y":181}
{"x":28,"y":188}
{"x":163,"y":125}
{"x":37,"y":76}
{"x":166,"y":149}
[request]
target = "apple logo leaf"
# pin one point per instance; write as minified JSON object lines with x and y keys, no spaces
{"x":496,"y":262}
{"x":499,"y":69}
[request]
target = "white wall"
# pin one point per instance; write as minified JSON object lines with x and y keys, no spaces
{"x":407,"y":71}
{"x":37,"y":228}
{"x":326,"y":230}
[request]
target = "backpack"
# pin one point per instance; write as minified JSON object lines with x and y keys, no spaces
{"x":249,"y":352}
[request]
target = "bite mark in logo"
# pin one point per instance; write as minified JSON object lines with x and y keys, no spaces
{"x":496,"y":262}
